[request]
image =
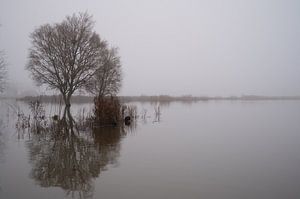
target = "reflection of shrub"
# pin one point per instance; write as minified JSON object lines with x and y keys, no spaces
{"x":107,"y":111}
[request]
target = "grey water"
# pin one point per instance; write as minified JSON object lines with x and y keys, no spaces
{"x":210,"y":150}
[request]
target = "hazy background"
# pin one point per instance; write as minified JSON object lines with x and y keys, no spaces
{"x":212,"y":47}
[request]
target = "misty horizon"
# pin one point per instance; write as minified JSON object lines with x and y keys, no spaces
{"x":202,"y":48}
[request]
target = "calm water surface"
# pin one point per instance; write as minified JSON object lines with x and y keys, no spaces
{"x":206,"y":150}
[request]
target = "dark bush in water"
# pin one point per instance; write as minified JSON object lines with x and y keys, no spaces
{"x":107,"y":111}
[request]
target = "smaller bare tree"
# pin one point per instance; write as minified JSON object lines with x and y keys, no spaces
{"x":108,"y":77}
{"x":3,"y":71}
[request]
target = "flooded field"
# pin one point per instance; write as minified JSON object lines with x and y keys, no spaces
{"x":210,"y":150}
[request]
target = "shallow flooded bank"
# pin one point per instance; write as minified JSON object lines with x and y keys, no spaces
{"x":201,"y":150}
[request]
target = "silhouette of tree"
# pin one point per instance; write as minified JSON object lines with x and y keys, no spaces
{"x":65,"y":56}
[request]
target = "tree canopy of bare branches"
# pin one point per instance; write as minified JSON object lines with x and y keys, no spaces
{"x":65,"y":56}
{"x":3,"y":71}
{"x":107,"y":79}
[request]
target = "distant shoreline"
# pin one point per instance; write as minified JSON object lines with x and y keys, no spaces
{"x":158,"y":98}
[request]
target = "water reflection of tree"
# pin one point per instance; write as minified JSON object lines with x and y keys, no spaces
{"x":71,"y":159}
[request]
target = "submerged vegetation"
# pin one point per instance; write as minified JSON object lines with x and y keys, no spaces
{"x":70,"y":152}
{"x":107,"y":111}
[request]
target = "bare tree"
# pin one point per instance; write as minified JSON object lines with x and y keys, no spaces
{"x":65,"y":56}
{"x":108,"y":77}
{"x":3,"y":71}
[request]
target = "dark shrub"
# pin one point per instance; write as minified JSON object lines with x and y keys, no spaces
{"x":107,"y":111}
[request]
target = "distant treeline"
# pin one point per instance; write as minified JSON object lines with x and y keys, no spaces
{"x":156,"y":98}
{"x":57,"y":99}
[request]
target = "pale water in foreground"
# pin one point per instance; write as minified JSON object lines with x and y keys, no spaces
{"x":206,"y":150}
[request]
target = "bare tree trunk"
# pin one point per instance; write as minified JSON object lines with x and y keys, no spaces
{"x":67,"y":117}
{"x":67,"y":99}
{"x":68,"y":102}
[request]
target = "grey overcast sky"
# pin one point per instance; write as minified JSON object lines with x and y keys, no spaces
{"x":176,"y":47}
